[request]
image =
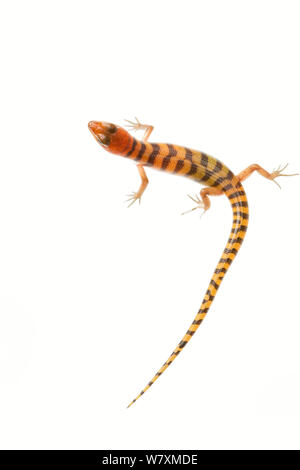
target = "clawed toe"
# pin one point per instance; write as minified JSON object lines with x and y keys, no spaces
{"x":133,"y":126}
{"x":132,"y":197}
{"x":278,"y":172}
{"x":198,"y":201}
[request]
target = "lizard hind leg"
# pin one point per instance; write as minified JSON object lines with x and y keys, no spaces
{"x":203,"y":201}
{"x":270,"y":176}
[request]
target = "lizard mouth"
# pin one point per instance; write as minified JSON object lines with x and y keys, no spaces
{"x":96,"y":127}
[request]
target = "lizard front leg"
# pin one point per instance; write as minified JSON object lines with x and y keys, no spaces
{"x":137,"y":195}
{"x":135,"y":126}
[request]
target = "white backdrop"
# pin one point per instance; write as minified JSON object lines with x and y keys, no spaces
{"x":95,"y":296}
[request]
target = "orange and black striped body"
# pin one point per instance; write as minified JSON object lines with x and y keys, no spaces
{"x":211,"y":172}
{"x":201,"y":167}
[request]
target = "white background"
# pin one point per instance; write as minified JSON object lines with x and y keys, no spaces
{"x":95,"y":296}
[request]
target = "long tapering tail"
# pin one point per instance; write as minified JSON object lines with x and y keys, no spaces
{"x":239,"y":204}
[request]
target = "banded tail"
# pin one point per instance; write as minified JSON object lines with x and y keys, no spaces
{"x":238,"y":199}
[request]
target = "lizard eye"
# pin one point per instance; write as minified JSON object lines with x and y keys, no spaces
{"x":104,"y":139}
{"x":108,"y":127}
{"x":112,"y":128}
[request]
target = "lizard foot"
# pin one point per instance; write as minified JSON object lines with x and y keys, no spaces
{"x":199,"y":202}
{"x":132,"y":197}
{"x":278,"y":172}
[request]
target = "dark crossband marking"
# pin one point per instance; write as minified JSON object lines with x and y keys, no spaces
{"x":141,"y":152}
{"x":209,"y":295}
{"x":236,"y":240}
{"x":204,"y":159}
{"x":218,"y":166}
{"x":153,"y":155}
{"x":167,"y":158}
{"x":174,"y":353}
{"x":188,"y":154}
{"x":231,"y":250}
{"x":244,"y":215}
{"x":214,"y":284}
{"x":236,"y":194}
{"x":226,"y":260}
{"x":241,"y":228}
{"x":190,"y":332}
{"x":239,"y":204}
{"x":203,"y":310}
{"x":237,"y":221}
{"x":179,"y":166}
{"x":192,"y":170}
{"x":210,"y":299}
{"x":228,"y":187}
{"x":220,"y":270}
{"x":132,"y":148}
{"x":206,"y":175}
{"x":204,"y":162}
{"x":218,"y":181}
{"x":172,"y":150}
{"x":237,"y":211}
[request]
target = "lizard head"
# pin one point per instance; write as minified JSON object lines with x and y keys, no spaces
{"x":113,"y":138}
